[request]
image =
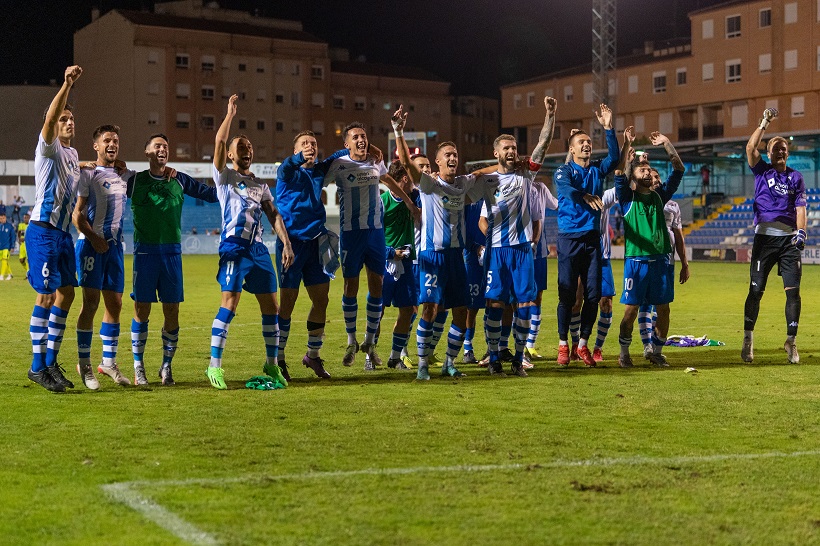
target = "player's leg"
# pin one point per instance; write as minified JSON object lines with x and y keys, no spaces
{"x":605,"y":308}
{"x":791,"y":270}
{"x":575,"y":321}
{"x":23,"y":256}
{"x":400,"y":336}
{"x":469,"y":335}
{"x":625,"y":335}
{"x":66,"y":280}
{"x":219,"y":336}
{"x":110,"y":336}
{"x":636,"y":284}
{"x":43,"y":262}
{"x":90,"y":265}
{"x":146,"y":278}
{"x":351,"y":251}
{"x":764,"y":257}
{"x":374,"y":261}
{"x":439,"y":323}
{"x":5,"y":268}
{"x":497,"y":294}
{"x":568,"y":275}
{"x":524,"y":291}
{"x":540,"y":272}
{"x":270,"y":333}
{"x":507,"y":319}
{"x":171,"y":294}
{"x":591,"y":279}
{"x":306,"y":256}
{"x":317,"y":317}
{"x":476,"y":284}
{"x":431,"y":267}
{"x":645,"y":314}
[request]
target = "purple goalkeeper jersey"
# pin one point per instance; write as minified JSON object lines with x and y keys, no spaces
{"x":777,"y":195}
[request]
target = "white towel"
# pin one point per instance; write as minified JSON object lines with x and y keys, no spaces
{"x":329,"y":253}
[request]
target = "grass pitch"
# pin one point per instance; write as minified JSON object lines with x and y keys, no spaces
{"x":727,"y":455}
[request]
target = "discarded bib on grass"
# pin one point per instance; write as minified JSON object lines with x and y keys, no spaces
{"x":692,"y":341}
{"x":263,"y":383}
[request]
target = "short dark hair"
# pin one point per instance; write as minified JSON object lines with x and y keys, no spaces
{"x":396,"y":171}
{"x":303,"y":133}
{"x":416,"y":156}
{"x":105,"y":129}
{"x":446,"y":143}
{"x":235,"y":137}
{"x":353,"y":125}
{"x":157,"y":135}
{"x":575,"y":134}
{"x":67,"y":106}
{"x":499,"y":138}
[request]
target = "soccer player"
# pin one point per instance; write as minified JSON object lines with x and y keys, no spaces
{"x":21,"y":241}
{"x":579,"y":185}
{"x":101,"y":199}
{"x":474,"y":248}
{"x":647,"y":275}
{"x":400,"y":288}
{"x":780,"y":234}
{"x":513,"y":230}
{"x":7,"y":242}
{"x":157,"y":196}
{"x":299,"y":183}
{"x":361,"y":242}
{"x":53,"y":273}
{"x":244,"y":260}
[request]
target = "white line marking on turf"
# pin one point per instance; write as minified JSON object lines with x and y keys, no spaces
{"x":127,"y":494}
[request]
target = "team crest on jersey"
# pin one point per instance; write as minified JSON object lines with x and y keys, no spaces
{"x":351,"y":178}
{"x":452,"y":202}
{"x":242,"y":185}
{"x":771,"y":182}
{"x":106,"y":185}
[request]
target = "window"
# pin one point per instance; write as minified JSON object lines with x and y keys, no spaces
{"x":665,"y":123}
{"x":317,"y":72}
{"x":733,"y":26}
{"x":242,"y":67}
{"x":318,"y":127}
{"x":183,"y":150}
{"x":296,"y":99}
{"x":243,"y":124}
{"x":207,"y":123}
{"x":338,"y":102}
{"x":153,"y":88}
{"x":260,"y":125}
{"x":280,"y":98}
{"x":208,"y":92}
{"x":567,"y":93}
{"x":242,"y":94}
{"x":183,"y":120}
{"x":764,"y":63}
{"x":733,"y":71}
{"x":708,"y":29}
{"x":183,"y":60}
{"x":639,"y":124}
{"x":798,"y":107}
{"x":790,"y":13}
{"x":612,"y":88}
{"x":680,"y":76}
{"x":260,"y":69}
{"x":208,"y":63}
{"x":659,"y":83}
{"x":359,"y":103}
{"x":517,"y":101}
{"x":296,"y":70}
{"x":317,"y":100}
{"x":589,"y":94}
{"x":280,"y":126}
{"x":183,"y":90}
{"x":790,"y":59}
{"x":153,"y":57}
{"x":708,"y":72}
{"x":740,"y":115}
{"x":153,"y":118}
{"x":530,"y":100}
{"x":765,"y":17}
{"x":632,"y":83}
{"x":261,"y":95}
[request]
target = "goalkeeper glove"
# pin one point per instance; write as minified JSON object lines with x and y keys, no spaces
{"x":768,"y":115}
{"x":799,"y":240}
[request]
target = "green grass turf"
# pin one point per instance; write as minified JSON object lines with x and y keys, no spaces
{"x":58,"y":450}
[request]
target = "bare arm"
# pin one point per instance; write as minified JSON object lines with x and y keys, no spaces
{"x":220,"y":149}
{"x":397,"y":190}
{"x":545,"y":138}
{"x":483,"y":225}
{"x":680,"y":250}
{"x":752,"y":153}
{"x":80,"y":220}
{"x":536,"y":232}
{"x":57,"y":105}
{"x":629,"y":138}
{"x":658,"y":139}
{"x":399,"y":120}
{"x":275,"y":220}
{"x":801,"y":218}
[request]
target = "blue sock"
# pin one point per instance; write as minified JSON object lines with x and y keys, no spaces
{"x":84,"y":338}
{"x":56,"y":329}
{"x":374,"y":316}
{"x":139,"y":335}
{"x":219,"y":335}
{"x":468,"y":339}
{"x":169,"y":345}
{"x":38,"y":330}
{"x":455,"y":339}
{"x":522,"y":330}
{"x":110,"y":336}
{"x":350,"y":308}
{"x":284,"y":333}
{"x":270,"y":331}
{"x":492,"y":321}
{"x":423,"y":334}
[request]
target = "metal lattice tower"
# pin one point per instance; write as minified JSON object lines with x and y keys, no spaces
{"x":604,"y":53}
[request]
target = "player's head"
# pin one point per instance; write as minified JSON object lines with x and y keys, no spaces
{"x":447,"y":158}
{"x":355,"y":139}
{"x":26,"y":218}
{"x":2,"y":217}
{"x":106,"y":142}
{"x":240,"y":152}
{"x":399,"y":174}
{"x":65,"y":123}
{"x":305,"y":142}
{"x":642,"y":175}
{"x":422,"y":162}
{"x":579,"y":145}
{"x":778,"y":150}
{"x":156,"y":149}
{"x":656,"y":178}
{"x":505,"y":149}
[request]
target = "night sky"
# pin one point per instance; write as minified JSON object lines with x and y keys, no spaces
{"x":477,"y":45}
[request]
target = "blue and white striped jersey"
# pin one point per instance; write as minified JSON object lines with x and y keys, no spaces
{"x":106,"y":193}
{"x":56,"y":172}
{"x":610,"y":199}
{"x":360,"y":203}
{"x":507,"y":208}
{"x":241,"y":198}
{"x":542,"y":200}
{"x":442,"y":211}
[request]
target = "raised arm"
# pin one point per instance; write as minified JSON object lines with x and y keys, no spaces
{"x":611,"y":160}
{"x":545,"y":138}
{"x":57,"y":105}
{"x":398,"y":121}
{"x":629,"y":138}
{"x":752,"y":153}
{"x":220,"y":148}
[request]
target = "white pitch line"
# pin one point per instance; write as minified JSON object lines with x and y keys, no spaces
{"x":126,"y":493}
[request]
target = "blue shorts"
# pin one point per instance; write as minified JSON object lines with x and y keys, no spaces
{"x":648,"y":282}
{"x":607,"y":279}
{"x":362,"y":247}
{"x":403,"y":292}
{"x":306,"y":264}
{"x":50,"y":258}
{"x":245,"y":267}
{"x":443,"y":278}
{"x":510,"y":274}
{"x":540,"y":273}
{"x":104,"y":271}
{"x":157,"y":275}
{"x":476,"y":281}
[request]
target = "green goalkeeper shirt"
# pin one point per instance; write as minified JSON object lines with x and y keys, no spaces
{"x":645,"y":230}
{"x":398,"y":224}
